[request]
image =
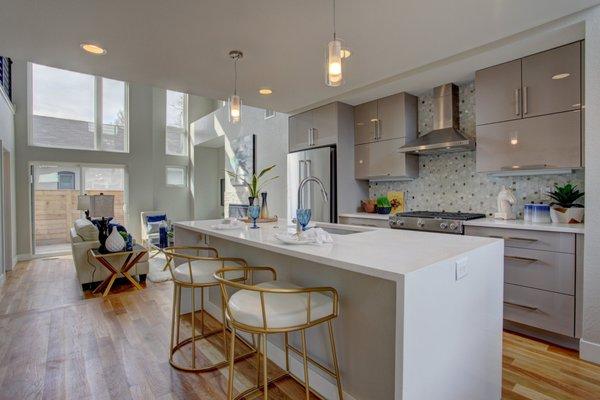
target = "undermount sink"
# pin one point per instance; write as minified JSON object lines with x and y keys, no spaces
{"x":334,"y":230}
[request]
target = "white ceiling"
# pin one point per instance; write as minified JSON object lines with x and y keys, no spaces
{"x":183,"y":44}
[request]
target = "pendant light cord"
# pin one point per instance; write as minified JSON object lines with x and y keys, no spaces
{"x":334,"y":20}
{"x":235,"y":77}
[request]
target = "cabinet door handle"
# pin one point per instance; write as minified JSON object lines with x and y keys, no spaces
{"x":530,"y":308}
{"x":309,"y":136}
{"x":525,"y":95}
{"x":517,"y":101}
{"x":527,"y":259}
{"x":514,"y":238}
{"x":377,"y":130}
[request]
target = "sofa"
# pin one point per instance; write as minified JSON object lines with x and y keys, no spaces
{"x":89,"y":271}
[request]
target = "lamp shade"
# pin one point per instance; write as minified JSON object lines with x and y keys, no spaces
{"x":102,"y":205}
{"x":83,"y":202}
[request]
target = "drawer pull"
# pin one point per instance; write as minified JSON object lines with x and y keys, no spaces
{"x":508,"y":303}
{"x":517,"y":258}
{"x":515,"y":238}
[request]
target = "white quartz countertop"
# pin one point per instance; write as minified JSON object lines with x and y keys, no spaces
{"x":365,"y":215}
{"x":521,"y":224}
{"x":380,"y":252}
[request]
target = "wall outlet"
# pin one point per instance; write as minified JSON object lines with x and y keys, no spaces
{"x":461,"y":269}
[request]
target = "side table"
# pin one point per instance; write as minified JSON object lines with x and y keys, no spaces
{"x":132,"y":258}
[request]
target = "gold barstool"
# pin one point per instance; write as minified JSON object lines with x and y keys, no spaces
{"x":277,"y":307}
{"x":195,"y":272}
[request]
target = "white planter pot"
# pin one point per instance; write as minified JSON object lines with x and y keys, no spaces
{"x":573,"y":215}
{"x":114,"y":241}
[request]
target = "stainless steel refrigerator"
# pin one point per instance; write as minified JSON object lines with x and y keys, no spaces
{"x":320,"y":163}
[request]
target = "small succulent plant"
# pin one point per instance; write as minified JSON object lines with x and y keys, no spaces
{"x":383,"y":202}
{"x":565,"y":196}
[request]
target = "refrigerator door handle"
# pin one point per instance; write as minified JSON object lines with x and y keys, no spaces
{"x":309,"y":188}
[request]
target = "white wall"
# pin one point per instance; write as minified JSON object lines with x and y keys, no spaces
{"x":145,"y":162}
{"x":271,"y":148}
{"x":590,"y":344}
{"x":7,"y":141}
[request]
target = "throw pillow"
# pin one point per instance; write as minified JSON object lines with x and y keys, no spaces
{"x":156,"y":218}
{"x":86,"y":229}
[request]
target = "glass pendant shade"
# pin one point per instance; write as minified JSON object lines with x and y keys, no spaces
{"x":235,"y":109}
{"x":334,"y":63}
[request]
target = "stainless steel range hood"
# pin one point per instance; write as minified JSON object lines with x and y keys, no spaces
{"x":445,"y":136}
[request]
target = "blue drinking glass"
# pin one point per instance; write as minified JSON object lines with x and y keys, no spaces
{"x":303,"y":215}
{"x":254,"y":213}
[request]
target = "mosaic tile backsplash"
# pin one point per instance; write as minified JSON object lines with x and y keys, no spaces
{"x":448,"y":182}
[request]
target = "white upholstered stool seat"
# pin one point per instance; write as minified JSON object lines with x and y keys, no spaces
{"x":203,"y":272}
{"x":283,"y":310}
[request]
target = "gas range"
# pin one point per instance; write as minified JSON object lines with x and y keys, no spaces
{"x":432,"y":221}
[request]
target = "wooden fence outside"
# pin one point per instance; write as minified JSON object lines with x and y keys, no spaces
{"x":56,"y":210}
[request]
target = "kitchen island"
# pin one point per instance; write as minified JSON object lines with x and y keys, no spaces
{"x":420,"y":313}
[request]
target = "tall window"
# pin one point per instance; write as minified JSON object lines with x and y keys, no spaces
{"x":78,"y":111}
{"x":176,"y":130}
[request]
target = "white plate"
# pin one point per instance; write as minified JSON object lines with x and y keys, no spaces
{"x":293,"y":239}
{"x":227,"y":227}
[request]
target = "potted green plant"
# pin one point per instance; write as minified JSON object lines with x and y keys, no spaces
{"x":255,"y":185}
{"x":383,"y":205}
{"x":564,"y":209}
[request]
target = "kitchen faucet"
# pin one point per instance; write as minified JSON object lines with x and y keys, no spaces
{"x":303,"y":182}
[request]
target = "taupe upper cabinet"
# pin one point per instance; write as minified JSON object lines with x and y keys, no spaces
{"x":543,"y":83}
{"x":381,"y":127}
{"x":314,"y":128}
{"x":498,"y":93}
{"x":365,"y":122}
{"x":552,"y":81}
{"x":545,"y":142}
{"x":391,"y":117}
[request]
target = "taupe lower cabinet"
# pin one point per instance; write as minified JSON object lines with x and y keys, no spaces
{"x":528,"y":112}
{"x":549,"y":141}
{"x":381,"y":127}
{"x":314,"y":128}
{"x":540,"y":271}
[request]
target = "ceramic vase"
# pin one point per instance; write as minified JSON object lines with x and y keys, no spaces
{"x":114,"y":241}
{"x":264,"y":209}
{"x":573,"y":215}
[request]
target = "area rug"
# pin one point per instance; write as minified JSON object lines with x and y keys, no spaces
{"x":155,"y":272}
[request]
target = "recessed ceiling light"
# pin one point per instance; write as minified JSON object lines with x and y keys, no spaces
{"x":93,"y":49}
{"x":561,"y":76}
{"x":346,"y":53}
{"x":265,"y":91}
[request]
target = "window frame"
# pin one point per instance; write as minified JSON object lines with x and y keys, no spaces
{"x":185,"y":125}
{"x":98,"y":108}
{"x":185,"y":176}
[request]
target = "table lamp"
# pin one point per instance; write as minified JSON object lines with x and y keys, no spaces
{"x":83,"y":204}
{"x":102,"y":206}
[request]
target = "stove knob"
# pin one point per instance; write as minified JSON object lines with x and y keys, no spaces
{"x":443,"y":225}
{"x":420,"y":223}
{"x":400,"y":222}
{"x":453,"y":226}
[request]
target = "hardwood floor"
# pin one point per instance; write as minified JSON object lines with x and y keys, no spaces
{"x":56,"y":343}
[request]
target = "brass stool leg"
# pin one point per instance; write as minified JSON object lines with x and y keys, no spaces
{"x":202,"y":309}
{"x":265,"y":374}
{"x":173,"y":321}
{"x":231,"y":363}
{"x":193,"y":327}
{"x":335,"y":360}
{"x":178,"y":313}
{"x":224,"y":323}
{"x":259,"y":339}
{"x":305,"y":359}
{"x":287,"y":353}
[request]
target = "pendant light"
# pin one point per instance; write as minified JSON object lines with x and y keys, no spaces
{"x":235,"y":103}
{"x":334,"y":58}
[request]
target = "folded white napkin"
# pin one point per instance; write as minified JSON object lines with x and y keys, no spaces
{"x":318,"y":235}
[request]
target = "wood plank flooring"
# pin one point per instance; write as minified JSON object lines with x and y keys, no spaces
{"x":57,"y":343}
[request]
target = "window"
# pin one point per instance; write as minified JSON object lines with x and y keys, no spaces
{"x":5,"y":75}
{"x":78,"y":111}
{"x":177,"y":176}
{"x":176,"y":129}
